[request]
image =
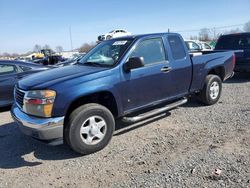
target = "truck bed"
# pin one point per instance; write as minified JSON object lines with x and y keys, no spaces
{"x":203,"y":64}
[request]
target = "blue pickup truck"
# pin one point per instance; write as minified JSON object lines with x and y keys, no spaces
{"x":131,"y":78}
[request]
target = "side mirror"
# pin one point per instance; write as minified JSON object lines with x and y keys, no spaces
{"x":133,"y":63}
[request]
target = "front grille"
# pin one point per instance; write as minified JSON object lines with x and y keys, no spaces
{"x":19,"y":96}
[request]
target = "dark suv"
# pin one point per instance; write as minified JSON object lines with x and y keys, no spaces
{"x":241,"y":43}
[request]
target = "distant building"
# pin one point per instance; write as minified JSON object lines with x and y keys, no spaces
{"x":6,"y":58}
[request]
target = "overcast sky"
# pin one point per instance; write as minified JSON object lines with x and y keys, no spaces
{"x":24,"y":23}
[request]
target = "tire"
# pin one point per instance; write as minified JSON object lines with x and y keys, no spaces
{"x":89,"y":128}
{"x":210,"y":94}
{"x":108,"y":37}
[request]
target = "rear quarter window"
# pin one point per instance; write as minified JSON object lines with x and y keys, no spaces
{"x":177,"y":47}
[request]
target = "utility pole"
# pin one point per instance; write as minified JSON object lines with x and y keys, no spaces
{"x":70,"y":37}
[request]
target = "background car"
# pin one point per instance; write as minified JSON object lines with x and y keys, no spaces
{"x":196,"y":45}
{"x":114,"y":34}
{"x":192,"y":46}
{"x":10,"y":73}
{"x":240,"y":43}
{"x":205,"y":46}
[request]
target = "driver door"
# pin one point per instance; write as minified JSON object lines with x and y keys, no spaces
{"x":149,"y":84}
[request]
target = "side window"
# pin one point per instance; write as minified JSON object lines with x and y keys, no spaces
{"x":192,"y":45}
{"x":24,"y":68}
{"x":244,"y":42}
{"x":248,"y":41}
{"x":177,"y":47}
{"x":207,"y":46}
{"x":152,"y":51}
{"x":7,"y":69}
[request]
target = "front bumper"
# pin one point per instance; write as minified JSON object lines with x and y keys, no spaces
{"x":41,"y":128}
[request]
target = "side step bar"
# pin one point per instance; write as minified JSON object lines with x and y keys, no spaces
{"x":154,"y":112}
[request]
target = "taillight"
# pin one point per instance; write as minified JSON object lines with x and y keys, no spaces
{"x":234,"y":59}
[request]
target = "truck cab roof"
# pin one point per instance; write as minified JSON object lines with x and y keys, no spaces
{"x":233,"y":34}
{"x":144,"y":35}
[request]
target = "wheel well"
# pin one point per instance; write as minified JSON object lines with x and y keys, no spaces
{"x":104,"y":98}
{"x":219,"y":71}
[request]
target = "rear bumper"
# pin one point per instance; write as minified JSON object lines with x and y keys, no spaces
{"x":41,"y":128}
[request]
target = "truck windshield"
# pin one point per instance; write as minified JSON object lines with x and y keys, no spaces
{"x":106,"y":53}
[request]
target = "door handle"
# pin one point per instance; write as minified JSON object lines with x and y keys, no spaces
{"x":166,"y":69}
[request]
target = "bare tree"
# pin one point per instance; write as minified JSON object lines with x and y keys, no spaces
{"x":247,"y":27}
{"x":86,"y":47}
{"x":215,"y":34}
{"x":204,"y":34}
{"x":37,"y":48}
{"x":46,"y":46}
{"x":193,"y":37}
{"x":237,"y":30}
{"x":59,"y":49}
{"x":15,"y":55}
{"x":5,"y":54}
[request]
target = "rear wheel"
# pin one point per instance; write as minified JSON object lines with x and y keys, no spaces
{"x":89,"y":129}
{"x":211,"y":91}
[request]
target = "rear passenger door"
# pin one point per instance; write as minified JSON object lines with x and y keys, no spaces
{"x":8,"y":79}
{"x":181,"y":65}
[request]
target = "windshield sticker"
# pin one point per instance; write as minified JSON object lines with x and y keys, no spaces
{"x":121,"y":42}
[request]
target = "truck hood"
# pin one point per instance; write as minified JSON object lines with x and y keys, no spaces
{"x":45,"y":79}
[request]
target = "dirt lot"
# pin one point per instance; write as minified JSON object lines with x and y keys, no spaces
{"x":179,"y":149}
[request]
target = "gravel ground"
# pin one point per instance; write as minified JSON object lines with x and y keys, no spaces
{"x":181,"y":148}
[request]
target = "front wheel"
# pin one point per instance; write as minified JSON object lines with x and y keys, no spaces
{"x":211,"y":91}
{"x":89,"y":129}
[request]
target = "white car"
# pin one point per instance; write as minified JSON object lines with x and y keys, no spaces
{"x":204,"y":46}
{"x":114,"y":34}
{"x":196,"y":45}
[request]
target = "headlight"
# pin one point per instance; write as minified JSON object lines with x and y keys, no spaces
{"x":39,"y":102}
